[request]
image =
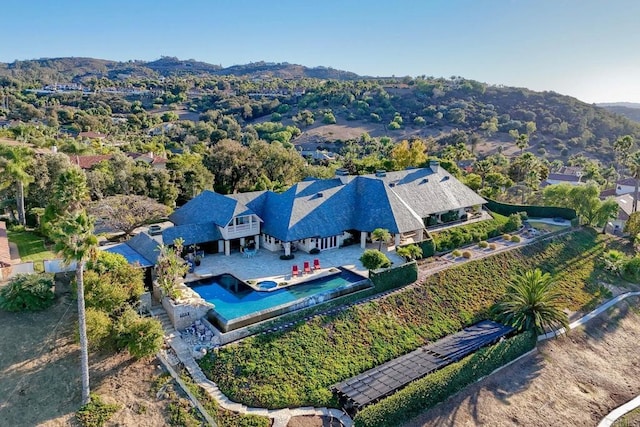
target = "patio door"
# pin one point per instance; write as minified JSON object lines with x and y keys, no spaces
{"x":328,"y":243}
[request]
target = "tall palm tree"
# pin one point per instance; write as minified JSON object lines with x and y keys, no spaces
{"x":381,"y":235}
{"x":633,"y":163}
{"x":483,"y":168}
{"x":532,"y":302}
{"x":14,"y":162}
{"x":75,"y":242}
{"x":622,"y":147}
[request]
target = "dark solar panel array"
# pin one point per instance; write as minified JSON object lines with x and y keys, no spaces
{"x":384,"y":380}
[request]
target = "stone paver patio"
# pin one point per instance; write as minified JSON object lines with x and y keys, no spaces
{"x":267,"y":265}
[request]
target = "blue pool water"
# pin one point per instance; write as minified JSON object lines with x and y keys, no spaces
{"x":233,"y":299}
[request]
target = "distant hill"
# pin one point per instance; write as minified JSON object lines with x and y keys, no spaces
{"x":630,"y":110}
{"x":67,"y":70}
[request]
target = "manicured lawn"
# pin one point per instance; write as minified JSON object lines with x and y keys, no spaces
{"x":296,"y":367}
{"x":31,"y":246}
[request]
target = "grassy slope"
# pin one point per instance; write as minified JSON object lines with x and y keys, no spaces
{"x":295,"y":368}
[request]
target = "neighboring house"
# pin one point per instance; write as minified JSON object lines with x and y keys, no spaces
{"x":155,"y":161}
{"x":625,"y":186}
{"x":87,"y":162}
{"x":323,"y":213}
{"x":92,"y":135}
{"x":625,"y":203}
{"x":563,"y":178}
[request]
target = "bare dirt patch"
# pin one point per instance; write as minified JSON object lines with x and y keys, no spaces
{"x":40,"y":374}
{"x":313,"y":421}
{"x":574,"y":380}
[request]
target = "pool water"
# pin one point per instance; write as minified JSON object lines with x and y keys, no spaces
{"x":233,"y":299}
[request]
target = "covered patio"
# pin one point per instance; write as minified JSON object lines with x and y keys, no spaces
{"x":267,"y":265}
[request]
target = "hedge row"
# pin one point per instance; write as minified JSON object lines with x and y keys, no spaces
{"x":425,"y":393}
{"x":532,"y":211}
{"x":428,"y":247}
{"x":456,"y":237}
{"x":392,"y":278}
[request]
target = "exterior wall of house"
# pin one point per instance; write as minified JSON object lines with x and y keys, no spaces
{"x":624,"y":189}
{"x":241,"y":226}
{"x":270,"y":243}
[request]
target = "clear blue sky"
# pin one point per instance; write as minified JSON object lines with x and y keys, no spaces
{"x":589,"y":49}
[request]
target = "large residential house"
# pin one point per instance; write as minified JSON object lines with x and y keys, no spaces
{"x":323,"y":213}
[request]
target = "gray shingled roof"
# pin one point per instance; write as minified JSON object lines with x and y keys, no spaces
{"x":145,"y":245}
{"x":326,"y":207}
{"x":428,"y":192}
{"x":192,"y":233}
{"x":207,"y":207}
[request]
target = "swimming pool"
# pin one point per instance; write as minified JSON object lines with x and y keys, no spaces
{"x":237,"y":305}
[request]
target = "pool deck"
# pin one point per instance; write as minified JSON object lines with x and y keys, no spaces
{"x":267,"y":265}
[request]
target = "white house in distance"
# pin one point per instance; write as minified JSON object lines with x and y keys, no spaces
{"x":625,"y":203}
{"x":322,"y":213}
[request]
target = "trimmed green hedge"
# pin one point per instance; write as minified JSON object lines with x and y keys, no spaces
{"x":392,"y":278}
{"x":532,"y":211}
{"x":455,"y":237}
{"x":428,"y":247}
{"x":434,"y":388}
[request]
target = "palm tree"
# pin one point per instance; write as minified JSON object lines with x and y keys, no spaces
{"x":522,"y":142}
{"x":532,"y":302}
{"x":380,"y":235}
{"x":483,"y":168}
{"x":633,"y":163}
{"x":410,"y":252}
{"x":13,"y":163}
{"x":75,"y":242}
{"x":621,"y":147}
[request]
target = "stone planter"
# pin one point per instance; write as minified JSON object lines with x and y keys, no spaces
{"x":189,"y":308}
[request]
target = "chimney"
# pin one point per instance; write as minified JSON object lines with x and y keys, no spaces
{"x":342,"y":172}
{"x":434,"y":165}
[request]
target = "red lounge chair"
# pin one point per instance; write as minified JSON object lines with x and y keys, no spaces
{"x":316,"y":264}
{"x":307,"y":268}
{"x":294,"y":271}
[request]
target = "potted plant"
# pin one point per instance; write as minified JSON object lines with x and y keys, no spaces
{"x":197,"y":260}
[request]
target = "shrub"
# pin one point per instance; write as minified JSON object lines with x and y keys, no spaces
{"x":287,"y":257}
{"x":466,"y":254}
{"x":456,"y":253}
{"x":492,"y":246}
{"x":465,"y":234}
{"x":631,"y":270}
{"x":99,"y":328}
{"x":142,"y":337}
{"x":483,"y":244}
{"x":393,"y":126}
{"x":506,"y":236}
{"x":373,"y":259}
{"x":435,"y":388}
{"x":513,"y":223}
{"x":28,"y":292}
{"x":96,"y":413}
{"x":515,"y":239}
{"x":314,"y":251}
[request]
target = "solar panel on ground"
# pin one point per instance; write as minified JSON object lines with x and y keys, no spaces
{"x":391,"y":376}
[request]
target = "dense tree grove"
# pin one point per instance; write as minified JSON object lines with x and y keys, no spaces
{"x":231,"y":131}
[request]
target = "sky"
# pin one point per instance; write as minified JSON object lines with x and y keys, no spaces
{"x":584,"y":48}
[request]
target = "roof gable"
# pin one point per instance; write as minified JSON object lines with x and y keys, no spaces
{"x":207,"y":207}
